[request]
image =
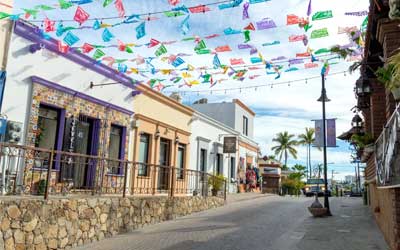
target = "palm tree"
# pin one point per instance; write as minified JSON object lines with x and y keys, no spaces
{"x":285,"y":146}
{"x":308,"y":139}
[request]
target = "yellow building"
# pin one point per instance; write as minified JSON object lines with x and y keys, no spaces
{"x":161,"y":145}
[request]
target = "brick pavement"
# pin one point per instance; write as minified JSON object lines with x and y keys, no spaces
{"x":266,"y":223}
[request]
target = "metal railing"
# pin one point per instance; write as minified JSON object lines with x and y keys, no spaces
{"x":25,"y":171}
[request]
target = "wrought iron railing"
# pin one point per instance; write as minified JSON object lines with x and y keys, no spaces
{"x":24,"y":171}
{"x":387,"y":153}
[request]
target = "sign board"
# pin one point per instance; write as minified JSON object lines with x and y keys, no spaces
{"x":330,"y":133}
{"x":270,"y":170}
{"x":229,"y":145}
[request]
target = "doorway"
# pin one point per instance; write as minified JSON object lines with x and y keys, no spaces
{"x":81,"y":137}
{"x":165,"y":161}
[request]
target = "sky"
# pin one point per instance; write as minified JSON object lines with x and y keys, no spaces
{"x":286,"y":107}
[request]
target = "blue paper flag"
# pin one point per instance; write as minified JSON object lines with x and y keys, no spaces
{"x":255,"y":60}
{"x":177,"y":62}
{"x":70,"y":39}
{"x":257,"y":1}
{"x":60,"y":29}
{"x":232,"y":4}
{"x":230,"y":31}
{"x":185,"y":26}
{"x":216,"y":61}
{"x":107,"y":35}
{"x":96,"y":25}
{"x":122,"y":67}
{"x":140,"y":31}
{"x":313,"y":59}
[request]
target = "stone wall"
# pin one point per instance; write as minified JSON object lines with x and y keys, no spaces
{"x":66,"y":223}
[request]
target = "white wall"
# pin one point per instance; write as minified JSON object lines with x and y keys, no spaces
{"x":52,"y":67}
{"x":239,"y":113}
{"x":206,"y":134}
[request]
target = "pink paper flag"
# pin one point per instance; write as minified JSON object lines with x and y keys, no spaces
{"x":153,"y":42}
{"x":63,"y":48}
{"x":199,"y":9}
{"x":119,"y":5}
{"x":86,"y":48}
{"x":236,"y":61}
{"x":224,"y":48}
{"x":121,"y":45}
{"x":49,"y":25}
{"x":80,"y":15}
{"x":296,"y":38}
{"x":173,"y":2}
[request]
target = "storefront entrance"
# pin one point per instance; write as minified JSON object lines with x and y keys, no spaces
{"x":81,"y":137}
{"x":165,"y":160}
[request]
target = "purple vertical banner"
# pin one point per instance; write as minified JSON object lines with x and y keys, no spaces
{"x":319,"y":142}
{"x":331,"y":132}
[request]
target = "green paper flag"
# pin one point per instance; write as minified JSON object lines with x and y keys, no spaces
{"x":4,"y":15}
{"x":107,"y":2}
{"x":246,"y":36}
{"x":161,"y":50}
{"x":44,"y":7}
{"x":64,"y":4}
{"x":98,"y":54}
{"x":322,"y":51}
{"x":319,"y":33}
{"x":128,"y":50}
{"x":188,"y":39}
{"x":365,"y":22}
{"x":200,"y":45}
{"x":173,"y":13}
{"x":31,"y":12}
{"x":203,"y":51}
{"x":322,"y":15}
{"x":307,"y":27}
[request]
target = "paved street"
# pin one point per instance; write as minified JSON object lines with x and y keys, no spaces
{"x":266,"y":222}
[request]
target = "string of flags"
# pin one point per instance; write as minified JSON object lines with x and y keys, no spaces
{"x":181,"y":73}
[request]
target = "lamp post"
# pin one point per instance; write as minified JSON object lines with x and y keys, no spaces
{"x":324,"y":99}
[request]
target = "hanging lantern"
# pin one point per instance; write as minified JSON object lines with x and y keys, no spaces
{"x":357,"y":123}
{"x":363,"y":87}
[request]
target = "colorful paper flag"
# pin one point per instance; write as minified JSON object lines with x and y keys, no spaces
{"x":80,"y":15}
{"x":199,"y":9}
{"x":246,"y":11}
{"x":296,"y":38}
{"x":161,"y":50}
{"x":86,"y":48}
{"x":119,"y":5}
{"x":224,"y":48}
{"x":237,"y":61}
{"x":185,"y":26}
{"x":49,"y":25}
{"x":320,"y":15}
{"x":178,"y":61}
{"x":70,"y":39}
{"x":140,"y":30}
{"x":249,"y":27}
{"x":63,"y":48}
{"x":216,"y":61}
{"x":319,"y":33}
{"x":98,"y":54}
{"x":266,"y":23}
{"x":107,"y":35}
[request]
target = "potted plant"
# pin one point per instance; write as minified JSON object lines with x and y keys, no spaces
{"x":216,"y":182}
{"x":389,"y":75}
{"x":363,"y":142}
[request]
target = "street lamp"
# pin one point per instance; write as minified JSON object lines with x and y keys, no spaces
{"x":324,"y":99}
{"x":357,"y":122}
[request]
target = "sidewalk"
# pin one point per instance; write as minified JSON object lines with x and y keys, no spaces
{"x":245,"y":196}
{"x":352,"y":226}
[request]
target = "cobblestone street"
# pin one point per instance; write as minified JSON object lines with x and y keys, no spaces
{"x":267,"y":222}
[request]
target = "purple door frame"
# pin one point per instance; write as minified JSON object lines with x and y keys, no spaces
{"x":94,"y":148}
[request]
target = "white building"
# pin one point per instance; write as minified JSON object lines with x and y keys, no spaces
{"x":350,"y":179}
{"x":214,"y":121}
{"x":48,"y":95}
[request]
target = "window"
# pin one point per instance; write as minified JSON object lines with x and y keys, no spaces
{"x":181,"y":161}
{"x":233,"y":172}
{"x":115,"y":149}
{"x":220,"y":164}
{"x":245,"y":125}
{"x":144,"y":147}
{"x":46,"y":136}
{"x":203,"y":161}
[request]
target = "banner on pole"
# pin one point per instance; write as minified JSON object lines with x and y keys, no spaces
{"x":330,"y":133}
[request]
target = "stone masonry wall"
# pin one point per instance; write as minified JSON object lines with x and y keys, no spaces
{"x":65,"y":223}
